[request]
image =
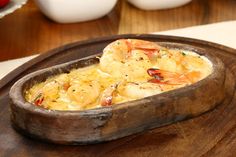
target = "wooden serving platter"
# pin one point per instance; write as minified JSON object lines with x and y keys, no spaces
{"x":211,"y":134}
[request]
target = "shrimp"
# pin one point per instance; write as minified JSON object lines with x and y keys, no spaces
{"x":170,"y":60}
{"x":183,"y":62}
{"x":107,"y":95}
{"x":172,"y":78}
{"x":84,"y":93}
{"x":130,"y":57}
{"x":122,"y":49}
{"x":136,"y":90}
{"x":128,"y":91}
{"x":198,"y":64}
{"x":42,"y":92}
{"x":166,"y":77}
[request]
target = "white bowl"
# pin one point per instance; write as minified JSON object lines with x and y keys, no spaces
{"x":70,"y":11}
{"x":11,"y":7}
{"x":157,"y":4}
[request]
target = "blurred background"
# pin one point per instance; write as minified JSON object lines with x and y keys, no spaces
{"x":28,"y":31}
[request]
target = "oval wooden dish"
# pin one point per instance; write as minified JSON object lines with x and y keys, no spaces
{"x":119,"y":120}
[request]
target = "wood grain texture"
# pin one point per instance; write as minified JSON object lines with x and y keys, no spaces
{"x":197,"y":12}
{"x":209,"y":135}
{"x":27,"y":31}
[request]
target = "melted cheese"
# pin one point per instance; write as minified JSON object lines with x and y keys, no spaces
{"x":84,"y":88}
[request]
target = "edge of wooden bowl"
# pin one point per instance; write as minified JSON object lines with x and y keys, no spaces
{"x":119,"y":120}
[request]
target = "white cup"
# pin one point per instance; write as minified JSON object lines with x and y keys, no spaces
{"x":70,"y":11}
{"x":158,"y":4}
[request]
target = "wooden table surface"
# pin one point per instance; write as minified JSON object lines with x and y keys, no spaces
{"x":27,"y":31}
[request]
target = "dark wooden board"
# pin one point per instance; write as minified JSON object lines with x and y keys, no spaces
{"x":211,"y":134}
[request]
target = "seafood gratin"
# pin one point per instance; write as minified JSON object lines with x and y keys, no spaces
{"x":129,"y":69}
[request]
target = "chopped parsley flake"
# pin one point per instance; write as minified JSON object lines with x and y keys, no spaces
{"x":184,"y":54}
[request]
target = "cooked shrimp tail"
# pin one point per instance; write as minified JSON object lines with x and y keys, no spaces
{"x":167,"y":77}
{"x":148,"y":48}
{"x":107,"y":96}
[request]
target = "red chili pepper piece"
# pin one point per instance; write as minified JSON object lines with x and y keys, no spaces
{"x":39,"y":99}
{"x":66,"y":86}
{"x":156,"y":73}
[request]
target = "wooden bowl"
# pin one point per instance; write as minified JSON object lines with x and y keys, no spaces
{"x":119,"y":120}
